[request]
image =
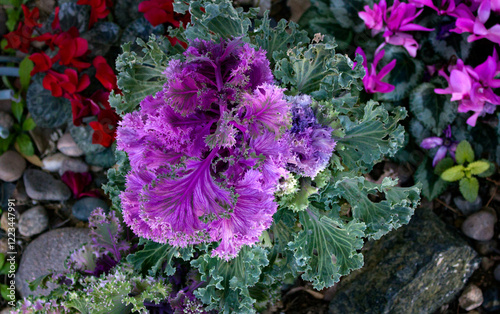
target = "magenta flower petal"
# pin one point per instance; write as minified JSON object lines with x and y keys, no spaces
{"x":483,"y":12}
{"x":440,"y":154}
{"x":493,"y":34}
{"x":386,"y":69}
{"x":461,"y":83}
{"x":431,"y":142}
{"x":472,"y":120}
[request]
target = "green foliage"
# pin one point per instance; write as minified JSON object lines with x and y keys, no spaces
{"x":13,"y":10}
{"x":54,"y":113}
{"x":320,"y":19}
{"x":116,"y":179}
{"x":469,"y":187}
{"x":83,"y":138}
{"x":464,"y":171}
{"x":379,"y":217}
{"x":327,"y":247}
{"x":444,"y":164}
{"x":451,"y":45}
{"x":19,"y":136}
{"x":25,"y":144}
{"x":154,"y":256}
{"x":104,"y":159}
{"x":17,"y":109}
{"x":25,"y":68}
{"x":220,"y":20}
{"x":478,"y":167}
{"x":228,"y":282}
{"x":376,"y":132}
{"x":318,"y":71}
{"x":4,"y":291}
{"x":346,"y":12}
{"x":434,"y":111}
{"x":275,"y":41}
{"x":464,"y":153}
{"x":454,"y":173}
{"x":139,"y":76}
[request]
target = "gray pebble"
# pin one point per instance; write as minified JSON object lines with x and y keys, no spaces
{"x":480,"y":226}
{"x":54,"y":163}
{"x":74,"y":165}
{"x":33,"y":221}
{"x":471,"y":298}
{"x":43,"y":187}
{"x":68,"y":146}
{"x":12,"y":165}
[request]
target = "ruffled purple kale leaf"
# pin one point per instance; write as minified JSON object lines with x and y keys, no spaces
{"x":108,"y":245}
{"x":208,"y":150}
{"x":311,"y":142}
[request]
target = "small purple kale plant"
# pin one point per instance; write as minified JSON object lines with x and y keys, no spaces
{"x":98,"y":280}
{"x":207,"y":151}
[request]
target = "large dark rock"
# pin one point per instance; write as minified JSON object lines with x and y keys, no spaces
{"x":48,"y":252}
{"x":415,"y":269}
{"x":44,"y":187}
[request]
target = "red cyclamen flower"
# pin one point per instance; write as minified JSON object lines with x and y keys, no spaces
{"x":102,"y":134}
{"x":71,"y":47}
{"x":82,"y":107}
{"x":56,"y":23}
{"x":162,"y":11}
{"x":65,"y":85}
{"x":77,"y":182}
{"x":98,"y":10}
{"x":105,"y":73}
{"x":42,"y":62}
{"x":20,"y":39}
{"x":31,"y":18}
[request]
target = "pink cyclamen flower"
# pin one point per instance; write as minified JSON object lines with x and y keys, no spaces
{"x":399,"y":21}
{"x":473,"y":87}
{"x":374,"y":18}
{"x":373,"y":81}
{"x":494,"y":4}
{"x":396,"y":21}
{"x":445,"y":145}
{"x":447,"y":7}
{"x":467,"y":22}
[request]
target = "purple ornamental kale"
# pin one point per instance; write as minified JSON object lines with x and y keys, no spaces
{"x":311,"y":143}
{"x":107,"y":248}
{"x":207,"y":151}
